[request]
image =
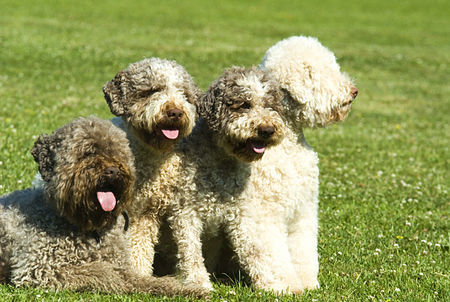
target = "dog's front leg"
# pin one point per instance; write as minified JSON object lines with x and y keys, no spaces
{"x":303,"y":246}
{"x":144,"y":237}
{"x":187,"y":230}
{"x":262,"y":250}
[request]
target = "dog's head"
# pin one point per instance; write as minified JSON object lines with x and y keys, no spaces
{"x":88,"y":171}
{"x":156,"y":98}
{"x":242,"y":110}
{"x":317,"y":93}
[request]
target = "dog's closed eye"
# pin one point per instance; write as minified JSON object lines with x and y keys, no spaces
{"x":240,"y":105}
{"x":148,"y":92}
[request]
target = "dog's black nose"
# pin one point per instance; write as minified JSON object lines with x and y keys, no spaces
{"x":174,"y":114}
{"x":112,"y":172}
{"x":354,"y":91}
{"x":266,"y":131}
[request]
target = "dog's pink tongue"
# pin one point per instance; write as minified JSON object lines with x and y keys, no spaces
{"x":170,"y":134}
{"x":258,"y":148}
{"x":107,"y":201}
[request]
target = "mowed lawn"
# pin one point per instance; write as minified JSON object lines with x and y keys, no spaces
{"x":384,"y":195}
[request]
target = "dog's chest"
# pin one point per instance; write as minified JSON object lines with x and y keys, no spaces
{"x":220,"y":184}
{"x":157,"y":182}
{"x":285,"y":179}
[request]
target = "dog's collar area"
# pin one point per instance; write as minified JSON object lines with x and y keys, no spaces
{"x":127,"y":221}
{"x":96,"y":236}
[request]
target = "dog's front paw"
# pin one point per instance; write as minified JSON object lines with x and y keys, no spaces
{"x":296,"y":288}
{"x":310,"y":283}
{"x":201,"y":282}
{"x":197,"y":291}
{"x":205,"y":285}
{"x":280,"y":288}
{"x":143,"y":271}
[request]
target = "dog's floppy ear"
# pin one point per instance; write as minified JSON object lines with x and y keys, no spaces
{"x":43,"y":152}
{"x":191,"y":90}
{"x":206,"y":105}
{"x":114,"y":94}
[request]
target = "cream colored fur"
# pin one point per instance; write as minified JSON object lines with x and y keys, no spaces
{"x":285,"y":183}
{"x":267,"y":208}
{"x":157,"y":174}
{"x":272,"y":222}
{"x":312,"y":79}
{"x":219,"y":192}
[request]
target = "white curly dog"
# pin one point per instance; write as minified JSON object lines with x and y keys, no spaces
{"x":316,"y":94}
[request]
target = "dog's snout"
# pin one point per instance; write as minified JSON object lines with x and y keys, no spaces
{"x":112,"y":172}
{"x":175,"y":114}
{"x":354,"y":91}
{"x":266,"y":131}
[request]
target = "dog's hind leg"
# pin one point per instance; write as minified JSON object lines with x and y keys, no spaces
{"x":168,"y":286}
{"x":98,"y":276}
{"x":102,"y":276}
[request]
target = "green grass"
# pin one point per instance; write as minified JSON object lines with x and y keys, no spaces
{"x":384,"y":208}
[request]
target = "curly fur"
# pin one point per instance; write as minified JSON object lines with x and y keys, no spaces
{"x":317,"y":92}
{"x":59,"y":236}
{"x":72,"y":158}
{"x":143,"y":96}
{"x":267,"y":208}
{"x":218,"y":157}
{"x":228,"y":110}
{"x":151,"y":96}
{"x":282,"y":190}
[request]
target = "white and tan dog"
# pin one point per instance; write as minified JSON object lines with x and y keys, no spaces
{"x":239,"y":123}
